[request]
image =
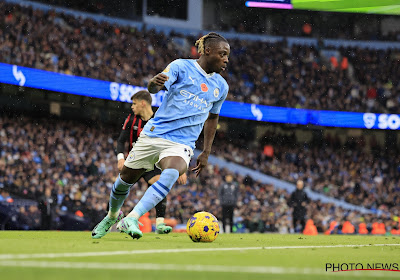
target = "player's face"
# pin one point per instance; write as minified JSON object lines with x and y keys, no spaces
{"x":218,"y":57}
{"x":136,"y":106}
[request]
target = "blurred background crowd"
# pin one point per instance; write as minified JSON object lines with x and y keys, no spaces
{"x":56,"y":173}
{"x":275,"y":74}
{"x":69,"y":168}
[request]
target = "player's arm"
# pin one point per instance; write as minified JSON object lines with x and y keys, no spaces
{"x":164,"y":79}
{"x":157,"y":83}
{"x":122,"y":139}
{"x":210,"y":127}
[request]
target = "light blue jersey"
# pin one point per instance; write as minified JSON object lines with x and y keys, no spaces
{"x":191,"y":95}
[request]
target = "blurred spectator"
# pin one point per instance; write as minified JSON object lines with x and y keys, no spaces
{"x":298,"y":200}
{"x":5,"y":196}
{"x":47,"y":205}
{"x":228,"y":194}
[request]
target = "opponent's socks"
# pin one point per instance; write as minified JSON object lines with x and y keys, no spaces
{"x":155,"y":193}
{"x":159,"y":221}
{"x":161,"y":207}
{"x":119,"y":193}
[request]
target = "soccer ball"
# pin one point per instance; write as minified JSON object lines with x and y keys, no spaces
{"x":202,"y":227}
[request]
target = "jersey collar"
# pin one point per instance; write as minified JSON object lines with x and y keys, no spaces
{"x":202,"y":70}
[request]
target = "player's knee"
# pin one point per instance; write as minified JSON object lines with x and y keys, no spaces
{"x":129,"y":175}
{"x":174,"y":162}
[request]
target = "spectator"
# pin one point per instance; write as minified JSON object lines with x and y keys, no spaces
{"x":298,"y":200}
{"x":228,"y":194}
{"x":47,"y":208}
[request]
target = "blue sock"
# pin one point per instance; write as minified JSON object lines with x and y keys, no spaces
{"x":156,"y":192}
{"x":119,"y":193}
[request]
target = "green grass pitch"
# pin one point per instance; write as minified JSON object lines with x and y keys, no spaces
{"x":75,"y":255}
{"x":353,"y":6}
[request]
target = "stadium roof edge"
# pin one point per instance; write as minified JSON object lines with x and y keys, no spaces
{"x":229,"y":35}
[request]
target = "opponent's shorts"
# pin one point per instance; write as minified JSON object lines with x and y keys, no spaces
{"x":149,"y":151}
{"x":150,"y":174}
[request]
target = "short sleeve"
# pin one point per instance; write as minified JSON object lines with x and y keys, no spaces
{"x":217,"y":105}
{"x":172,"y":71}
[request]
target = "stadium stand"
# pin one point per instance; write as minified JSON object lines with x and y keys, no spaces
{"x":76,"y":161}
{"x":291,"y":75}
{"x":38,"y":154}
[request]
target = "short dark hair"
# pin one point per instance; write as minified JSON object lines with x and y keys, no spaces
{"x":208,"y":39}
{"x":142,"y":95}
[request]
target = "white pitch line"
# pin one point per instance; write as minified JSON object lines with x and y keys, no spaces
{"x":191,"y":268}
{"x":161,"y":251}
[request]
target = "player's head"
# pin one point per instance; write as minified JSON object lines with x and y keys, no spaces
{"x":299,"y":184}
{"x":215,"y":50}
{"x":140,"y":101}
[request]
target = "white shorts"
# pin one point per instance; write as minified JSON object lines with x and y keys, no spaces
{"x":149,"y":151}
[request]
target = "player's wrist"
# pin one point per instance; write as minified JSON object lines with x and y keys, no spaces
{"x":120,"y":156}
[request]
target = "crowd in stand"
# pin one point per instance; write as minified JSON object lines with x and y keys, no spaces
{"x":74,"y":165}
{"x":76,"y":162}
{"x":259,"y":72}
{"x":309,"y":24}
{"x":346,"y":171}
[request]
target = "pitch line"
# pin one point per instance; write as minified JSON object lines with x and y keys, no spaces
{"x":191,"y":268}
{"x":163,"y":251}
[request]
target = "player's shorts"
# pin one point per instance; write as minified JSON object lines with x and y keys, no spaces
{"x":149,"y":151}
{"x":150,"y":174}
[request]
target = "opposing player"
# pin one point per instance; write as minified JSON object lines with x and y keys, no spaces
{"x":133,"y":126}
{"x":195,"y":93}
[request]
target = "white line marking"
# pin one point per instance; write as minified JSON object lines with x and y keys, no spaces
{"x":183,"y":267}
{"x":162,"y":251}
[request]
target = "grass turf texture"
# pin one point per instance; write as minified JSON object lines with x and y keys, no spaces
{"x":300,"y":263}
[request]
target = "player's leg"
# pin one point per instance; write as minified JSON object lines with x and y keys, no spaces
{"x":119,"y":193}
{"x":120,"y":190}
{"x":141,"y":158}
{"x":174,"y":160}
{"x":161,"y":228}
{"x":172,"y":167}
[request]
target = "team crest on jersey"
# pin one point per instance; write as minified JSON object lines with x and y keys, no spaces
{"x":204,"y":87}
{"x":216,"y":92}
{"x":166,"y":70}
{"x":131,"y":156}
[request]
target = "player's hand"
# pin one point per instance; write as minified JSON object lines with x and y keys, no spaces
{"x":159,"y":79}
{"x":182,"y":179}
{"x":202,"y":161}
{"x":121,"y":164}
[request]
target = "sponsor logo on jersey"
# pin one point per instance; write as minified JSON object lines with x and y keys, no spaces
{"x":194,"y":100}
